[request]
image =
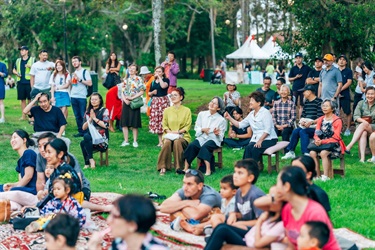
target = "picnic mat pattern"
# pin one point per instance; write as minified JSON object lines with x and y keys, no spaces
{"x":16,"y":239}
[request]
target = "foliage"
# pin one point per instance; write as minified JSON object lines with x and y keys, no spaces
{"x":332,"y":26}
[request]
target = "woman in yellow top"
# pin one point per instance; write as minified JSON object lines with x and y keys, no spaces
{"x":176,"y":125}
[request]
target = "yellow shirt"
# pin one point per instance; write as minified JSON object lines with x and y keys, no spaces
{"x":175,"y":119}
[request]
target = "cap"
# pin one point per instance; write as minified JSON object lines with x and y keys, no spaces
{"x":144,"y":70}
{"x":309,"y":87}
{"x":23,"y":48}
{"x":318,"y":59}
{"x":299,"y":54}
{"x":328,"y":57}
{"x":343,"y":56}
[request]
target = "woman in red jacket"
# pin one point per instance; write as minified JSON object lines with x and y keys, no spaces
{"x":327,"y":140}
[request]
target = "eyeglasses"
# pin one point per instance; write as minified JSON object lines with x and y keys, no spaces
{"x":194,"y":173}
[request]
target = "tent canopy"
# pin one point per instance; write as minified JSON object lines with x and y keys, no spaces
{"x":249,"y":50}
{"x":274,"y":49}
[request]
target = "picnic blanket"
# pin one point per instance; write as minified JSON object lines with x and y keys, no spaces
{"x":18,"y":239}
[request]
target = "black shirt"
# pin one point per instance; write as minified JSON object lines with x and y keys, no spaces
{"x":346,"y":74}
{"x":299,"y":83}
{"x":269,"y":95}
{"x":160,"y":91}
{"x":314,"y":74}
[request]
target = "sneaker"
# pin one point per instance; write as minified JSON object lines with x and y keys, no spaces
{"x":236,"y":149}
{"x":2,"y":120}
{"x":289,"y":155}
{"x":323,"y":178}
{"x":371,"y":160}
{"x":347,"y":132}
{"x":175,"y":225}
{"x":124,"y":144}
{"x":135,"y":144}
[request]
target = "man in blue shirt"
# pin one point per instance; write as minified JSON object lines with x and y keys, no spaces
{"x":330,"y":80}
{"x":347,"y":79}
{"x":3,"y":75}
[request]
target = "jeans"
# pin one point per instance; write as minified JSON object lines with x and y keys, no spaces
{"x":79,"y":109}
{"x":226,"y":233}
{"x":305,"y":135}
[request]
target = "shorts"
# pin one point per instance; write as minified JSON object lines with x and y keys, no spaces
{"x":345,"y":105}
{"x":23,"y":91}
{"x":36,"y":91}
{"x":86,"y":194}
{"x":297,"y":94}
{"x":62,"y":99}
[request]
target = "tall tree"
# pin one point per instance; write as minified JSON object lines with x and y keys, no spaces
{"x":158,"y":20}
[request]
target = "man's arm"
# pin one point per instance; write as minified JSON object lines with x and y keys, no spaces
{"x":32,"y":80}
{"x":338,"y":90}
{"x":61,"y":131}
{"x":174,"y":204}
{"x":27,"y":109}
{"x":320,"y":89}
{"x":347,"y":84}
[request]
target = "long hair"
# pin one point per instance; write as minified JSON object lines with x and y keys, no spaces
{"x":109,"y":61}
{"x":64,"y":71}
{"x":60,"y":146}
{"x":296,"y":177}
{"x":89,"y":106}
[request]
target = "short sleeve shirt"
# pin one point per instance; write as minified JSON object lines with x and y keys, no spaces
{"x":79,"y":90}
{"x":28,"y":159}
{"x":299,"y":83}
{"x":245,"y":204}
{"x":41,"y":72}
{"x":133,"y":86}
{"x":227,"y":208}
{"x":269,"y":95}
{"x":346,"y":74}
{"x":59,"y":80}
{"x":330,"y":79}
{"x":209,"y":196}
{"x":47,"y":121}
{"x":159,"y":90}
{"x":314,"y":74}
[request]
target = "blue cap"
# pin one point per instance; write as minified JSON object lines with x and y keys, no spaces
{"x":299,"y":54}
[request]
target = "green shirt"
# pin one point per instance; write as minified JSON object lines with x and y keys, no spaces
{"x":175,"y":119}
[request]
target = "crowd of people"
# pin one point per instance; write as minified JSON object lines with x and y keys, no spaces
{"x":52,"y":179}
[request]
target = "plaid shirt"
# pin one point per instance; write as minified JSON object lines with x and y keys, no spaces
{"x":284,"y":113}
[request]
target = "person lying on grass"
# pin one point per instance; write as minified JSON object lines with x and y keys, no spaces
{"x":193,"y":203}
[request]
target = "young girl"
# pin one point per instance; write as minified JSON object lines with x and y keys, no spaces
{"x":63,"y":201}
{"x":60,"y":83}
{"x":238,"y":137}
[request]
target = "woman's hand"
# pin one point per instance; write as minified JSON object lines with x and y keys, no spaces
{"x":7,"y":186}
{"x":263,"y":217}
{"x":227,"y":115}
{"x":258,"y":144}
{"x":233,"y":134}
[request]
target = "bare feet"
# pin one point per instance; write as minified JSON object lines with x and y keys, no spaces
{"x":162,"y":171}
{"x":92,"y":163}
{"x":186,"y":226}
{"x":110,"y":128}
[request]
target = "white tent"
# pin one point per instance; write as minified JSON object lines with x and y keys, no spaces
{"x":274,"y":49}
{"x":249,"y":50}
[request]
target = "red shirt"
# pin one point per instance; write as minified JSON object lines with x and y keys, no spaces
{"x":313,"y":212}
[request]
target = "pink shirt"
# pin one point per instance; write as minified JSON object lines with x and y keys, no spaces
{"x":268,"y":229}
{"x":313,"y":212}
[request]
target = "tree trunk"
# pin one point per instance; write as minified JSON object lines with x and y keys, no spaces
{"x":212,"y":36}
{"x":158,"y":21}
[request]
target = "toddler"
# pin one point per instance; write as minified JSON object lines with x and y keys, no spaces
{"x":313,"y":236}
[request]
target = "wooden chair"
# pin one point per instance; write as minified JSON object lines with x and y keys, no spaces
{"x":339,"y":171}
{"x":219,"y":162}
{"x":281,"y":145}
{"x":103,"y":157}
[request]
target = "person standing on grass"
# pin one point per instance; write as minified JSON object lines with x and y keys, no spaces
{"x":81,"y":79}
{"x":159,"y":102}
{"x":132,"y":88}
{"x":22,"y":69}
{"x":171,"y":69}
{"x":9,"y":81}
{"x":3,"y":75}
{"x":40,"y":74}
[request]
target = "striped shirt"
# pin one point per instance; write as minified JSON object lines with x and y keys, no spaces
{"x":284,"y":113}
{"x":312,"y":109}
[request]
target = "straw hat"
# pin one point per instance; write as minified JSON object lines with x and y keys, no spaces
{"x":144,"y":70}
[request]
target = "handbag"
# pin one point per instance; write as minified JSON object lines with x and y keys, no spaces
{"x":112,"y":80}
{"x":367,"y":118}
{"x":97,"y":138}
{"x":4,"y":210}
{"x":136,"y":103}
{"x":329,"y":147}
{"x":171,"y":136}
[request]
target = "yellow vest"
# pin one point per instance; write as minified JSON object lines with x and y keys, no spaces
{"x":30,"y":62}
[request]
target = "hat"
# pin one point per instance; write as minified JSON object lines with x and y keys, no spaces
{"x":23,"y":48}
{"x":299,"y":54}
{"x":318,"y":59}
{"x":344,"y":56}
{"x":121,"y":62}
{"x":358,"y":69}
{"x":328,"y":57}
{"x":144,"y":70}
{"x":309,"y":87}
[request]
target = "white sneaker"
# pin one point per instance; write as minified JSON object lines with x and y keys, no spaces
{"x":289,"y":155}
{"x":323,"y":178}
{"x":124,"y":144}
{"x":372,"y":160}
{"x":175,"y":225}
{"x":135,"y":144}
{"x":2,"y":120}
{"x":347,"y":132}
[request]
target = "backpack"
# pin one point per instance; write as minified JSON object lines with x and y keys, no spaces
{"x":90,"y":89}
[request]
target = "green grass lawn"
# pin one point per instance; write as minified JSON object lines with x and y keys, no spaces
{"x":134,"y":170}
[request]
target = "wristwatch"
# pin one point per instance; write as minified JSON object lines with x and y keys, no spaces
{"x":80,"y":80}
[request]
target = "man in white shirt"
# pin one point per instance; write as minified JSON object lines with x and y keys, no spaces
{"x":81,"y":79}
{"x":40,"y":73}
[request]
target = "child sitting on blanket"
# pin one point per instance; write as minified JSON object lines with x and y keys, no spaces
{"x":62,"y":232}
{"x":227,"y":192}
{"x":313,"y":236}
{"x":49,"y":170}
{"x":62,"y":202}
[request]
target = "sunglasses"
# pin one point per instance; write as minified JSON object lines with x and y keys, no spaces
{"x":194,"y":173}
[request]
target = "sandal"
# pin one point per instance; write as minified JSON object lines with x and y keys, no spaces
{"x":162,"y":171}
{"x":156,"y":196}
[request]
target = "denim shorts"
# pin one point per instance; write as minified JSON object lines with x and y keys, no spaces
{"x":62,"y":99}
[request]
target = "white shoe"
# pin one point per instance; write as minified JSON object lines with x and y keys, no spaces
{"x":135,"y":144}
{"x":289,"y":155}
{"x":347,"y":132}
{"x":372,"y":160}
{"x":175,"y":225}
{"x":2,"y":120}
{"x":323,"y":178}
{"x":124,"y":144}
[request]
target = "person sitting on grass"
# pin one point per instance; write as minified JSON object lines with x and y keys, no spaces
{"x":245,"y":214}
{"x":313,"y":236}
{"x":62,"y":232}
{"x":238,"y":137}
{"x":193,"y":203}
{"x":227,"y":192}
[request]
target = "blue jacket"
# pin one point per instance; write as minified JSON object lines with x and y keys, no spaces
{"x":3,"y":69}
